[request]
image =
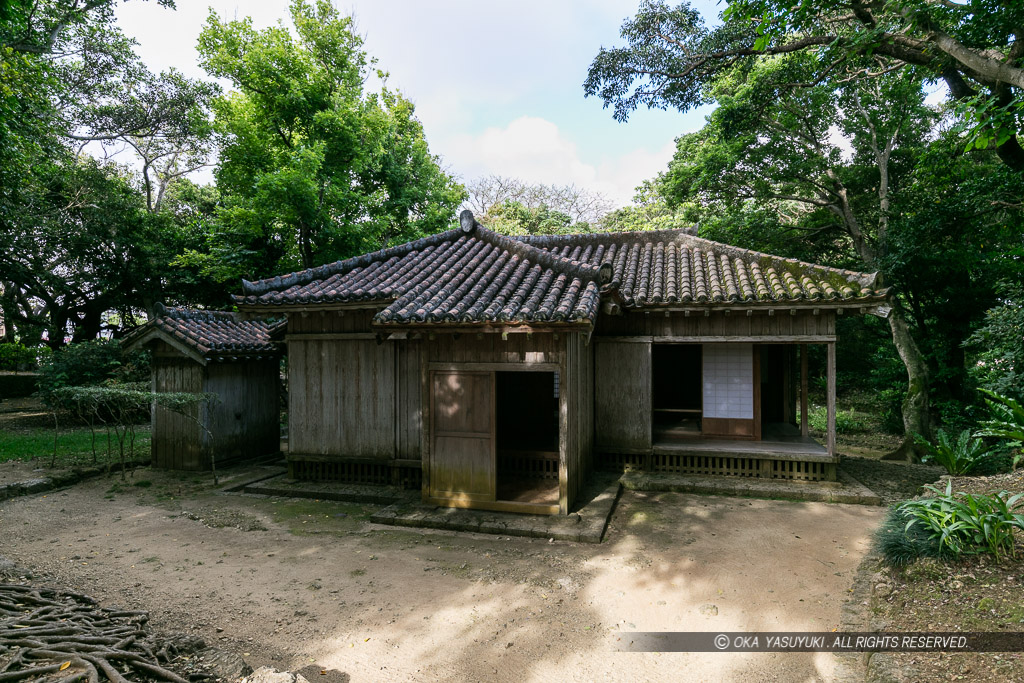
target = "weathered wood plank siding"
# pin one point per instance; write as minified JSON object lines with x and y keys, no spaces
{"x":622,"y":395}
{"x":577,"y":387}
{"x":244,"y":423}
{"x":408,"y":410}
{"x":176,"y":438}
{"x":342,"y":397}
{"x":804,"y":323}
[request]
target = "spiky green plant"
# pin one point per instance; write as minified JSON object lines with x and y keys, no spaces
{"x":1007,"y":420}
{"x":957,"y":457}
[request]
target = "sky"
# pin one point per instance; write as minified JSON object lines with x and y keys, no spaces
{"x":497,"y":84}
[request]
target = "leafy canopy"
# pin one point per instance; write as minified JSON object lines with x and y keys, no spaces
{"x":312,"y":168}
{"x":974,"y":47}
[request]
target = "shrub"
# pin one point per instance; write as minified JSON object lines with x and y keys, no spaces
{"x":1007,"y":421}
{"x":901,"y":544}
{"x":846,"y":421}
{"x":17,"y":357}
{"x":91,"y":363}
{"x":957,"y":457}
{"x":965,"y":523}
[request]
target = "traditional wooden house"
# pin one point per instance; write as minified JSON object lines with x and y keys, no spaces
{"x":215,"y":352}
{"x":495,"y":372}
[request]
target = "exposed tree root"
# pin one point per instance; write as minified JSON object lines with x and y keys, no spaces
{"x":62,"y":636}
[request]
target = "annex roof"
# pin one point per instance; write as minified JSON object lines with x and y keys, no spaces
{"x":472,"y":275}
{"x":220,"y":336}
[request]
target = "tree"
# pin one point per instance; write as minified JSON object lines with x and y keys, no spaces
{"x":975,"y":47}
{"x":80,"y":247}
{"x":998,"y":345}
{"x":312,"y":168}
{"x":845,"y":167}
{"x":579,"y":204}
{"x":515,"y":218}
{"x":71,"y":79}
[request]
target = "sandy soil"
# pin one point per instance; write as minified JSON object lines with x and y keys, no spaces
{"x":290,"y":583}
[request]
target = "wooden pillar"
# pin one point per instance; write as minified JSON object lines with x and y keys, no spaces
{"x":804,"y":431}
{"x":831,"y":397}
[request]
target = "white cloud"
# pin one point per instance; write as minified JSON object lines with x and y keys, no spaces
{"x":535,"y":150}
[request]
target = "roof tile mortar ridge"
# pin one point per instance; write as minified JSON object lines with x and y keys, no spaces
{"x":538,"y":255}
{"x":309,"y":275}
{"x":866,"y":280}
{"x":199,"y":315}
{"x":684,"y":236}
{"x":572,"y":239}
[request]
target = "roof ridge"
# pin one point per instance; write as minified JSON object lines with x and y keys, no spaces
{"x":685,"y":236}
{"x":182,"y":313}
{"x":580,"y":238}
{"x":542,"y":257}
{"x":866,"y":280}
{"x":303,"y":277}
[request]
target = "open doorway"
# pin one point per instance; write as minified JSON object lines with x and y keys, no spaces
{"x":778,"y":392}
{"x":676,"y":392}
{"x":526,"y":409}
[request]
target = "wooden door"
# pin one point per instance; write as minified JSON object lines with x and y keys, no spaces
{"x":462,"y":459}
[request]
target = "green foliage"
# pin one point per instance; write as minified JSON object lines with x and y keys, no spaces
{"x":847,"y":421}
{"x":900,"y":544}
{"x":89,"y":364}
{"x":85,"y":364}
{"x":1007,"y":421}
{"x":17,"y":357}
{"x":958,"y":457}
{"x":514,"y":218}
{"x":672,"y":56}
{"x":312,"y":169}
{"x":999,"y":344}
{"x":120,"y":406}
{"x":964,"y":523}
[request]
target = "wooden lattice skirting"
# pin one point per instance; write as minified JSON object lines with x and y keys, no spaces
{"x":736,"y":466}
{"x":408,"y":475}
{"x":534,"y":464}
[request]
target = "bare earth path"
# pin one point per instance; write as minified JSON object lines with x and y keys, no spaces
{"x":309,"y":581}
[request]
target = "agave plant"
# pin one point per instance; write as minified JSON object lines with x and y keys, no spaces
{"x":1007,"y":420}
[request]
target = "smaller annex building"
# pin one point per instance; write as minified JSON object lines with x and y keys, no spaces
{"x":215,"y":352}
{"x":497,"y":372}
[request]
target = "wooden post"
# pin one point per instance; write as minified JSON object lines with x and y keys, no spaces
{"x":831,"y":398}
{"x":804,"y":431}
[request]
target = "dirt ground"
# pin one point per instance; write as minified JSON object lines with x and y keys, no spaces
{"x":289,"y":583}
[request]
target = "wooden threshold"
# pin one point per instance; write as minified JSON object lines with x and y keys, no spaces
{"x":494,"y":505}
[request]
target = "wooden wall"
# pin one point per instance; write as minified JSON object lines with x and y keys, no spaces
{"x":622,"y":396}
{"x":738,"y":324}
{"x":351,"y":395}
{"x":175,"y":437}
{"x":245,"y":423}
{"x":341,"y":395}
{"x":578,"y":404}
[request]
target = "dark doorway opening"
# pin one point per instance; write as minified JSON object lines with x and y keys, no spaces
{"x":677,"y":397}
{"x":778,"y":390}
{"x":526,"y":430}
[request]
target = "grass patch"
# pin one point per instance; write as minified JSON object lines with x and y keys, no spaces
{"x":74,"y":446}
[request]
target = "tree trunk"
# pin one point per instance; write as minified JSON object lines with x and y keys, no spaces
{"x":916,"y":418}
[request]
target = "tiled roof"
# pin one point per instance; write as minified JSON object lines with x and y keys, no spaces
{"x":217,"y":335}
{"x":667,"y":267}
{"x":468,"y":275}
{"x":473,"y":275}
